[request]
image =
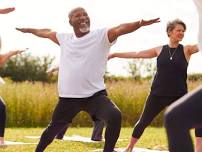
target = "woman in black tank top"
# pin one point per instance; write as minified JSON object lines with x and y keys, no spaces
{"x":169,"y":83}
{"x":186,"y":113}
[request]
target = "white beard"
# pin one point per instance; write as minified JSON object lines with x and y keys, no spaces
{"x":84,"y":28}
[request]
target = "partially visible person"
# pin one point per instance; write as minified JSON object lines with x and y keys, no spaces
{"x":2,"y":105}
{"x":3,"y":59}
{"x":98,"y":125}
{"x":80,"y":81}
{"x":186,"y":113}
{"x":169,"y":83}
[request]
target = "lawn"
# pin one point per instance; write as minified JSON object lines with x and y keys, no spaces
{"x":151,"y":138}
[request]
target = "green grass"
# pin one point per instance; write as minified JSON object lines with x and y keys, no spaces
{"x":31,"y":104}
{"x":151,"y":138}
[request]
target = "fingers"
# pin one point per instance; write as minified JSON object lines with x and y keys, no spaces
{"x":19,"y":29}
{"x":11,"y":9}
{"x":24,"y":30}
{"x":21,"y":51}
{"x":148,"y":22}
{"x":7,"y":10}
{"x":157,"y":20}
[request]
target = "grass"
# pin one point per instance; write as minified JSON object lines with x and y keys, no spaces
{"x":152,"y":137}
{"x":31,"y":104}
{"x":148,"y":140}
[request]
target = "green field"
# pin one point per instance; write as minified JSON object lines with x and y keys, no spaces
{"x":152,"y":137}
{"x":31,"y":104}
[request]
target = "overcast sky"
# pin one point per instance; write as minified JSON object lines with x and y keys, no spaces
{"x":103,"y":13}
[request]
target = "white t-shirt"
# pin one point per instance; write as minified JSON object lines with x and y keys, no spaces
{"x":198,"y":4}
{"x":82,"y":63}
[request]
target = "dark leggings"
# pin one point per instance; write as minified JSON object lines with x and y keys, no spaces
{"x":96,"y":134}
{"x":2,"y":117}
{"x":153,"y":106}
{"x":180,"y":117}
{"x":98,"y":105}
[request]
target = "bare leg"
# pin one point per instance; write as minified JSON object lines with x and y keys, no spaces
{"x":198,"y":145}
{"x":2,"y":141}
{"x":130,"y":146}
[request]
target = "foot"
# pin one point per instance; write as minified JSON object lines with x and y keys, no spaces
{"x":96,"y":139}
{"x":59,"y":138}
{"x":2,"y":143}
{"x":128,"y":149}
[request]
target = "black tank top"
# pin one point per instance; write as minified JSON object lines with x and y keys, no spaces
{"x":171,"y":76}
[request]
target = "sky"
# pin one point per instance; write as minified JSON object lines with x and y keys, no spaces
{"x":53,"y":14}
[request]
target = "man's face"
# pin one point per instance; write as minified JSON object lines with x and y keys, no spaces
{"x":80,"y":20}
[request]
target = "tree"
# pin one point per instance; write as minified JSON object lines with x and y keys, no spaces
{"x":140,"y":68}
{"x":27,"y":67}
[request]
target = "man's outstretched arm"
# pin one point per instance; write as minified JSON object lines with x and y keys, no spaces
{"x":122,"y":29}
{"x":44,"y":33}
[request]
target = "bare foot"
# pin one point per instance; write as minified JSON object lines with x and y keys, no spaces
{"x":128,"y":149}
{"x":2,"y":143}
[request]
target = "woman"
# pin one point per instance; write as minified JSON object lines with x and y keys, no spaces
{"x":169,"y":83}
{"x":186,"y":113}
{"x":3,"y":59}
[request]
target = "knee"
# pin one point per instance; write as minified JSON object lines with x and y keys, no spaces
{"x":171,"y":119}
{"x":115,"y":116}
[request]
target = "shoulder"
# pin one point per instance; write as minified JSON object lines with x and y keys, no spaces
{"x":158,"y":49}
{"x":190,"y":49}
{"x":60,"y":34}
{"x":63,"y":36}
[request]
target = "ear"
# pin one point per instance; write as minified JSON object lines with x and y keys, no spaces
{"x":70,"y":22}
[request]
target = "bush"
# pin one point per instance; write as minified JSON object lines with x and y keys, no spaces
{"x":26,"y":67}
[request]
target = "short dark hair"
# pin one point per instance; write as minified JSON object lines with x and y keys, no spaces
{"x":171,"y":25}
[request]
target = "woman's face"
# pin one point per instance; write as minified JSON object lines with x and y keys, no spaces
{"x":177,"y":34}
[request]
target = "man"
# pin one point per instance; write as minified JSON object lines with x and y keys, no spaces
{"x":186,"y":113}
{"x":98,"y":125}
{"x":81,"y":70}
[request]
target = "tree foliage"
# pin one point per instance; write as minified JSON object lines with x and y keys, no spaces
{"x":139,"y":68}
{"x":27,"y":67}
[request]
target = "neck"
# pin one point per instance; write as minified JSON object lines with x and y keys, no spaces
{"x":173,"y":44}
{"x":80,"y":34}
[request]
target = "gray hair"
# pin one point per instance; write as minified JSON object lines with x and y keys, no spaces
{"x":74,"y":10}
{"x":172,"y":24}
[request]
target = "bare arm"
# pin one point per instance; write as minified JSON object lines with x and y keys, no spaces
{"x":44,"y":33}
{"x":6,"y":10}
{"x":189,"y":50}
{"x":150,"y":53}
{"x":53,"y":70}
{"x":122,"y":29}
{"x":5,"y":57}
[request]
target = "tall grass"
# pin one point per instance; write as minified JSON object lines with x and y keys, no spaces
{"x":31,"y":104}
{"x":28,"y":104}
